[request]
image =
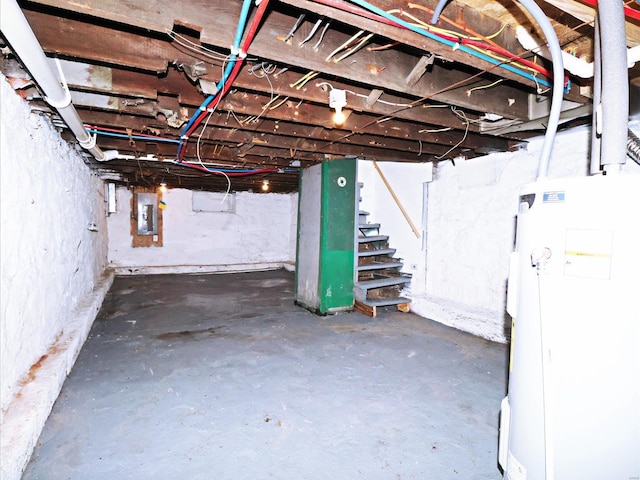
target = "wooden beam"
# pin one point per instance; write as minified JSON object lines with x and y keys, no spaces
{"x":385,"y":69}
{"x":419,"y":70}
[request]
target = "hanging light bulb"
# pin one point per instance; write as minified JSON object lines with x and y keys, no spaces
{"x":265,"y":185}
{"x":337,"y":100}
{"x":163,"y":187}
{"x":339,"y":117}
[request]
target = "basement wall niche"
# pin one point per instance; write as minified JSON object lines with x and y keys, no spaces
{"x":256,"y":233}
{"x":53,"y":239}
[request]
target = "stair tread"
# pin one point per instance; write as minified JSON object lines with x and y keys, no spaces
{"x":377,"y":251}
{"x":373,"y":238}
{"x":368,"y":226}
{"x":379,"y":266}
{"x":381,"y":302}
{"x":383,"y":282}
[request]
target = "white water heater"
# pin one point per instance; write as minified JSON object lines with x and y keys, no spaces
{"x":573,"y":404}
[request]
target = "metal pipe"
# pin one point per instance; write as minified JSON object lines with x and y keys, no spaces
{"x":633,"y":147}
{"x":18,"y":32}
{"x":596,"y":140}
{"x":615,"y":86}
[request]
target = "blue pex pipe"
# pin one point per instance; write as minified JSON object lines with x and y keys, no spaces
{"x":244,"y":14}
{"x":134,"y":137}
{"x":242,"y":22}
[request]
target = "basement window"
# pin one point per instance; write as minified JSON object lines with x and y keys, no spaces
{"x":213,"y":202}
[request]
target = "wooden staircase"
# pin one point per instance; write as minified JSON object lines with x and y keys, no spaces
{"x":379,"y":280}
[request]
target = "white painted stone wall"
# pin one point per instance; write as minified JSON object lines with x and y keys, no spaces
{"x":259,"y":235}
{"x":406,"y":181}
{"x":470,"y":230}
{"x":52,"y":270}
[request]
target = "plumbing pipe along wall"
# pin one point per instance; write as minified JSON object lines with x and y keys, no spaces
{"x":17,"y":31}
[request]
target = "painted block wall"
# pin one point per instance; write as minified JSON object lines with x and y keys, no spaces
{"x":259,"y":235}
{"x":471,"y":212}
{"x":53,"y":270}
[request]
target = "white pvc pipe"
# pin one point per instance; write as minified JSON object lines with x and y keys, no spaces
{"x":18,"y":32}
{"x":573,"y":64}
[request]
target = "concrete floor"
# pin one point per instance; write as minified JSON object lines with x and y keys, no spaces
{"x":223,"y":377}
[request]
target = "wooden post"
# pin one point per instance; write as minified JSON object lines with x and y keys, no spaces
{"x":397,"y":200}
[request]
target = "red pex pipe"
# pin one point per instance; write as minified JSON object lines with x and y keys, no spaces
{"x":628,"y":12}
{"x":230,"y":174}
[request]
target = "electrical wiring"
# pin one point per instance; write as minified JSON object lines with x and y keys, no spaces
{"x":204,"y":127}
{"x":482,"y":48}
{"x":464,"y":28}
{"x":412,"y":104}
{"x":482,"y":87}
{"x":311,"y":33}
{"x":280,"y":103}
{"x":266,"y":71}
{"x":436,"y":130}
{"x":304,"y":80}
{"x":383,"y":47}
{"x":346,"y":44}
{"x":352,"y":50}
{"x":361,"y":95}
{"x":294,"y":28}
{"x":464,"y":137}
{"x":423,"y":99}
{"x":453,"y":44}
{"x":322,"y":34}
{"x":196,"y":48}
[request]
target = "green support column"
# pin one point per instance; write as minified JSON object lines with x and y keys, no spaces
{"x":325,"y":259}
{"x":337,"y":235}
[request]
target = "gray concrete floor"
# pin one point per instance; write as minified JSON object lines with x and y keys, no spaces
{"x":223,"y":377}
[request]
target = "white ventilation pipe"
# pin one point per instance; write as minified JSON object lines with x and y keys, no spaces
{"x":18,"y":32}
{"x":573,"y":64}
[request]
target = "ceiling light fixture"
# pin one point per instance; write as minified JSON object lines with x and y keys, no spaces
{"x":265,"y":185}
{"x":337,"y":100}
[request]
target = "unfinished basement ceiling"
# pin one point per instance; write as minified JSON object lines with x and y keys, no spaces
{"x":138,"y":71}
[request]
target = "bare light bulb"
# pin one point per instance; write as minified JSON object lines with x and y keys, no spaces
{"x":265,"y":185}
{"x":163,"y":187}
{"x":337,"y":100}
{"x":339,"y":117}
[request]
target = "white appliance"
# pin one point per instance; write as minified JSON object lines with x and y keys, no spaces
{"x":573,"y":405}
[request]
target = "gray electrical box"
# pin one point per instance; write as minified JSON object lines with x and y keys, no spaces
{"x":147,"y":211}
